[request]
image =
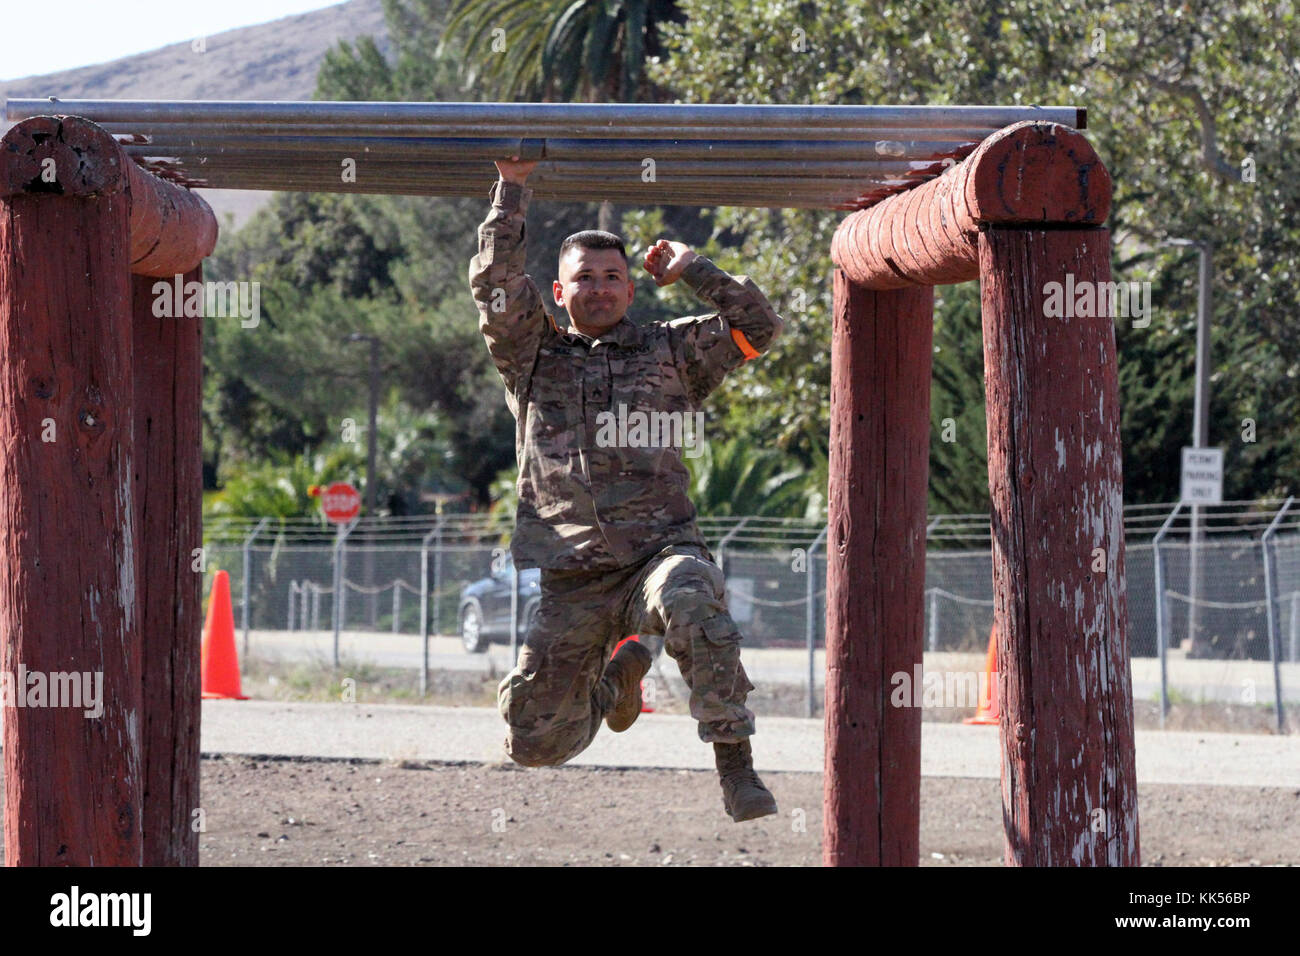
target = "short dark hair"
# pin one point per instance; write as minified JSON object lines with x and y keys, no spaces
{"x":593,"y":239}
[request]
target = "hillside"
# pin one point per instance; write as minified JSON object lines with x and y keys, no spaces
{"x":269,"y":61}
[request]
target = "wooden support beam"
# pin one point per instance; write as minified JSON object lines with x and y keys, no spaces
{"x":1027,"y":173}
{"x":168,"y":370}
{"x":99,"y":412}
{"x":68,"y":535}
{"x":875,"y":584}
{"x":1069,"y":791}
{"x":171,"y":228}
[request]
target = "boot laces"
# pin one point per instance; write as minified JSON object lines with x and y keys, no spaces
{"x":742,"y":773}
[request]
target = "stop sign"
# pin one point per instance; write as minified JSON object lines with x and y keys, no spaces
{"x":340,"y":502}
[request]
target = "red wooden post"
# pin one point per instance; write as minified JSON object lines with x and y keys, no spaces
{"x":875,"y":575}
{"x":68,"y":594}
{"x":1069,"y":792}
{"x":169,"y":480}
{"x":76,"y":218}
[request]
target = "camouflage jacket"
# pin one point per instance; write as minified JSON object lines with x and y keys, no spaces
{"x":602,"y":424}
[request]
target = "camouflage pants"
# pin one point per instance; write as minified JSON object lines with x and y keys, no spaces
{"x":557,"y":695}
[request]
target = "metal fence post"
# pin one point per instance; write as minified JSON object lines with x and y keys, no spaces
{"x":934,"y":619}
{"x":293,"y":593}
{"x":437,"y":576}
{"x":343,"y":532}
{"x":1295,"y":626}
{"x":933,"y":592}
{"x":810,"y":618}
{"x":1162,"y":612}
{"x":1270,"y":597}
{"x":397,"y":603}
{"x":722,"y":545}
{"x":424,"y":601}
{"x":342,"y":596}
{"x":1193,"y":576}
{"x":246,"y":598}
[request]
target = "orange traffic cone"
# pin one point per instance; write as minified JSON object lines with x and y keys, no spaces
{"x":987,"y":712}
{"x":219,"y":663}
{"x":645,"y":708}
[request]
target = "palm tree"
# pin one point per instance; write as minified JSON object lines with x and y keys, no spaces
{"x":278,"y":488}
{"x":735,"y":477}
{"x":593,"y":49}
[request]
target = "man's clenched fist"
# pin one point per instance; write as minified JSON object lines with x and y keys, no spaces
{"x":665,"y":260}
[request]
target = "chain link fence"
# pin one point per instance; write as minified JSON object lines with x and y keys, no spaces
{"x":1213,"y":593}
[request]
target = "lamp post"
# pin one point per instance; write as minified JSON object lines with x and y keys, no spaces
{"x":1201,"y":404}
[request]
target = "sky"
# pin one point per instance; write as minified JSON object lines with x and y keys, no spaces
{"x":110,"y":29}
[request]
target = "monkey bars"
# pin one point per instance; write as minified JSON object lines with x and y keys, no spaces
{"x":100,"y":419}
{"x":831,"y":157}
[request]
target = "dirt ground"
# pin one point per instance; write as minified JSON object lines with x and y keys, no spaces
{"x":293,"y":812}
{"x":320,"y":813}
{"x":335,"y":813}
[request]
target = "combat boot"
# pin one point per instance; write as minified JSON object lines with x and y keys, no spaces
{"x":625,"y":671}
{"x":743,"y":795}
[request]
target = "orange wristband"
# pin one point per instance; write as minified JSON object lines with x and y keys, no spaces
{"x":743,"y":344}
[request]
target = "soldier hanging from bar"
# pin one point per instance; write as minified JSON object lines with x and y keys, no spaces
{"x":608,"y":522}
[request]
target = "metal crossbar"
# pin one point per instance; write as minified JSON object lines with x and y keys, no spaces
{"x":803,"y":156}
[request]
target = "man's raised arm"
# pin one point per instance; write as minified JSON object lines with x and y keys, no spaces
{"x":511,"y":314}
{"x":739,"y":301}
{"x":744,"y":326}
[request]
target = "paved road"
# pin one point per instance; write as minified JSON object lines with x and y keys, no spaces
{"x":1193,"y":680}
{"x":388,"y":731}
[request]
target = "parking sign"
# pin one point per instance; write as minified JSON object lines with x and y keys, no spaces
{"x":1202,"y":476}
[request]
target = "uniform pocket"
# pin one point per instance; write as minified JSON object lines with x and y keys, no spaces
{"x":720,"y":632}
{"x":556,"y":395}
{"x":715,"y":661}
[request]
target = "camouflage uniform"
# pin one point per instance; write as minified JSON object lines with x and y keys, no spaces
{"x":609,"y":523}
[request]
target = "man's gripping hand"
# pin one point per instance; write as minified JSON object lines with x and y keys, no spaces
{"x":514,"y":171}
{"x":666,"y":260}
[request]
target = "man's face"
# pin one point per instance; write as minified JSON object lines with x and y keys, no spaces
{"x":594,"y":288}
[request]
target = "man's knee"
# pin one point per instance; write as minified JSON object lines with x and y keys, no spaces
{"x":535,"y":751}
{"x":539,"y":735}
{"x":547,"y":743}
{"x":691,"y":601}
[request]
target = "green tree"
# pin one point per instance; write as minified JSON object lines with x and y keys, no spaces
{"x":278,"y":487}
{"x":958,"y":425}
{"x":1177,"y":101}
